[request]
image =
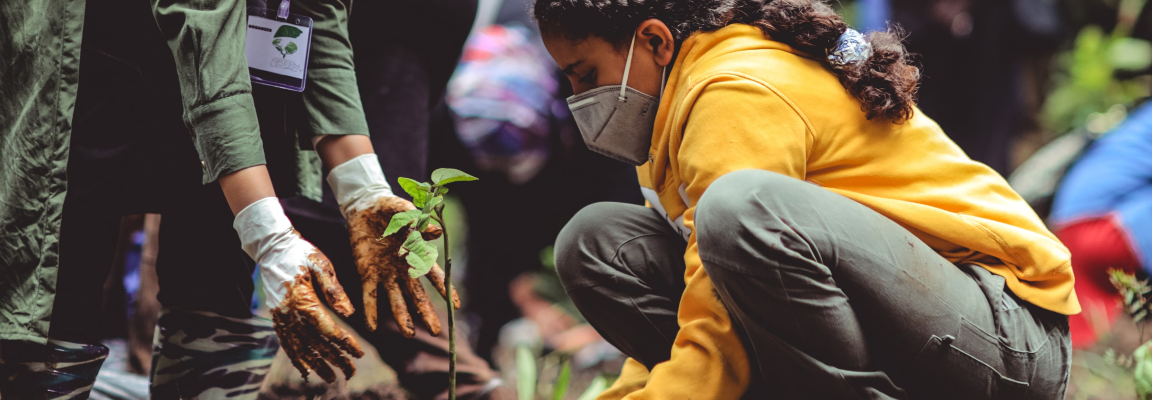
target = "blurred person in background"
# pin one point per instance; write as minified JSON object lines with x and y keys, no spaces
{"x":986,"y":67}
{"x":1103,"y":213}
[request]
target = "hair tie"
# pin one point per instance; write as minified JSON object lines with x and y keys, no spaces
{"x":851,"y":48}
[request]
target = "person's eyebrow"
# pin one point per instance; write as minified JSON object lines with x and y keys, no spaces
{"x":569,"y":70}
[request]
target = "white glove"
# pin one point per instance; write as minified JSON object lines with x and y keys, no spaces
{"x":358,"y":184}
{"x":288,"y":263}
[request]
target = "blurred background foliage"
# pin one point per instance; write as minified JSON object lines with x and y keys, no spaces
{"x":1105,"y":70}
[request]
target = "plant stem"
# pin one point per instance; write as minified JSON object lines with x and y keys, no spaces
{"x":448,"y":302}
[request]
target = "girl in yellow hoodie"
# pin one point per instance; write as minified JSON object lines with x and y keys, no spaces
{"x":810,"y":233}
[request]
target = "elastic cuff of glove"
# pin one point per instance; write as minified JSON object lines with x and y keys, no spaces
{"x":357,"y":177}
{"x":261,"y":226}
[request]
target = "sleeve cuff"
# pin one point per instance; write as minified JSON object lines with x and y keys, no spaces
{"x":227,"y":135}
{"x":332,"y":104}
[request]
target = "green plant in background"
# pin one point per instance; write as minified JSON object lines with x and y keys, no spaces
{"x":1088,"y":92}
{"x":528,"y":385}
{"x":1135,"y":294}
{"x":421,"y":255}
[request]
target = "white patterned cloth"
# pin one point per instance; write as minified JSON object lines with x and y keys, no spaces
{"x":852,"y":48}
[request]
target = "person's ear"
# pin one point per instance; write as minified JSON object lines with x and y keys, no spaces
{"x":655,"y":37}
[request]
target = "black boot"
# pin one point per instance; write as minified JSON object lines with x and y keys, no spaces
{"x":56,"y":370}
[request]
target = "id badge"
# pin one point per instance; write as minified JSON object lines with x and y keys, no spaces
{"x":277,"y":48}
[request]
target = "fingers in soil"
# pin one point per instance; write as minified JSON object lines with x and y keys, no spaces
{"x":330,"y":351}
{"x":286,"y":327}
{"x":325,"y":275}
{"x":331,"y":332}
{"x":371,"y":288}
{"x":423,"y":306}
{"x":308,"y":351}
{"x":400,"y":308}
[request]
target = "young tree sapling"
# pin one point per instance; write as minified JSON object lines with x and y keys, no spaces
{"x":421,"y":255}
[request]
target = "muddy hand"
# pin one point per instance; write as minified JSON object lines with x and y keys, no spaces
{"x":381,"y":267}
{"x":307,"y":333}
{"x":368,"y":205}
{"x":289,"y":265}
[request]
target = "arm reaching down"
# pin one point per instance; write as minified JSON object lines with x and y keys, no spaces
{"x":288,"y":266}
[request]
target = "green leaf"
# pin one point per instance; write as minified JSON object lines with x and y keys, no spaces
{"x":598,"y":385}
{"x":444,"y":176}
{"x":419,"y":191}
{"x":421,"y":255}
{"x":1130,"y":54}
{"x":434,"y":201}
{"x":276,"y":42}
{"x":401,"y":220}
{"x":1143,"y":372}
{"x":413,"y":187}
{"x":422,"y":223}
{"x":441,"y":190}
{"x":562,"y":381}
{"x":288,"y":31}
{"x":290,"y":48}
{"x":525,"y":373}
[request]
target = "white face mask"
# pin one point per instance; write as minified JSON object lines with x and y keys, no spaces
{"x":616,"y":120}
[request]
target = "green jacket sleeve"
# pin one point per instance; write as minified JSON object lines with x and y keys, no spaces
{"x":331,"y":97}
{"x":207,"y":40}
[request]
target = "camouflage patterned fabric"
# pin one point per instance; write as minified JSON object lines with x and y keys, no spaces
{"x":202,"y":355}
{"x":58,"y":370}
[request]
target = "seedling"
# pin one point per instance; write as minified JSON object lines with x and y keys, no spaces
{"x":421,"y":255}
{"x":528,"y":383}
{"x":1135,"y":294}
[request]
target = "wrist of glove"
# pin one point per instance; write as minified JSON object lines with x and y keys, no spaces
{"x":358,"y":183}
{"x":288,"y":266}
{"x":368,"y":204}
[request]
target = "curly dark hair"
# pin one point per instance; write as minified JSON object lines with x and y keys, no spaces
{"x":885,"y":84}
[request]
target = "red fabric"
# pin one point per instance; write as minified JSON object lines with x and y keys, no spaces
{"x":1097,"y":246}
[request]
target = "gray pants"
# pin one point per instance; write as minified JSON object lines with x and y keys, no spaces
{"x":832,"y":299}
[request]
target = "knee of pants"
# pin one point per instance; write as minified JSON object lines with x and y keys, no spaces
{"x":579,"y":248}
{"x":738,"y":199}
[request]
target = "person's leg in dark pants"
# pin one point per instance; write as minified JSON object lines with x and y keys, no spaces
{"x":208,"y":343}
{"x":623,"y":266}
{"x":97,"y":165}
{"x":838,"y":301}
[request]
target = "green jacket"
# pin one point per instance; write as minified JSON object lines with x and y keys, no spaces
{"x":40,"y":48}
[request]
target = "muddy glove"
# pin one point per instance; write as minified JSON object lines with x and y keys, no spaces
{"x":368,"y":204}
{"x":288,"y":264}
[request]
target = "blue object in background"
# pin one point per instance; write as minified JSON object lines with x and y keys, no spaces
{"x":1114,"y":176}
{"x":258,"y":293}
{"x":873,"y":15}
{"x":132,"y":271}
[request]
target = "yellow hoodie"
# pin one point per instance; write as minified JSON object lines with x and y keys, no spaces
{"x":736,"y":100}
